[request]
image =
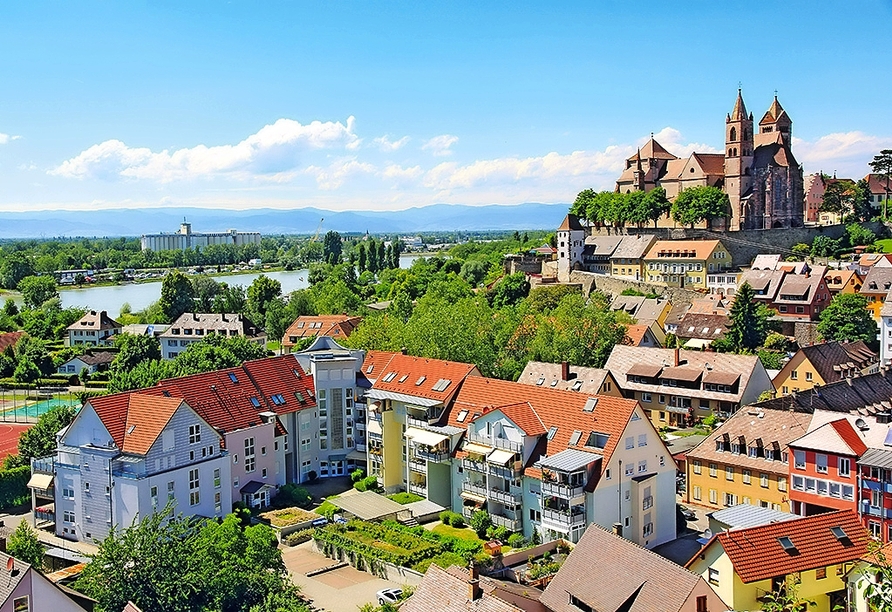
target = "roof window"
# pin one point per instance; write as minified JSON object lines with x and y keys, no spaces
{"x":403,"y":378}
{"x":300,"y":325}
{"x":420,"y":380}
{"x":554,"y":383}
{"x":278,"y":399}
{"x":255,"y":402}
{"x":788,"y":545}
{"x":462,"y":415}
{"x":300,"y":396}
{"x":233,"y":377}
{"x":540,"y":382}
{"x":390,"y":376}
{"x":442,"y":384}
{"x":590,"y":404}
{"x":577,"y":385}
{"x":574,"y":439}
{"x":551,"y":432}
{"x":369,"y":369}
{"x":841,"y":535}
{"x":597,"y":440}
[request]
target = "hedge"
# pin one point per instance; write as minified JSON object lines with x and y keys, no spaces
{"x":14,"y":487}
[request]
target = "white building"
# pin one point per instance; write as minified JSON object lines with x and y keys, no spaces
{"x":95,"y":328}
{"x":192,"y":327}
{"x":185,"y":239}
{"x":885,"y":334}
{"x":570,"y":245}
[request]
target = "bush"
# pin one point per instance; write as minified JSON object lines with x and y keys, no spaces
{"x":291,"y":494}
{"x":457,"y":520}
{"x":446,"y":517}
{"x":14,"y":487}
{"x":369,"y":483}
{"x":480,"y":522}
{"x":516,"y":540}
{"x":327,"y":509}
{"x":500,"y":533}
{"x":299,"y":537}
{"x":356,"y":475}
{"x":312,"y":476}
{"x":406,"y":498}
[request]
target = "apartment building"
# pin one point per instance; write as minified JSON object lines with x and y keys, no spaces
{"x":794,"y":290}
{"x":885,"y":332}
{"x":642,"y":309}
{"x":553,"y":462}
{"x":678,"y":387}
{"x":821,"y":364}
{"x":746,"y":460}
{"x":597,"y":381}
{"x":875,"y":506}
{"x":93,"y":329}
{"x":627,"y":260}
{"x":685,"y":263}
{"x":843,"y":281}
{"x":192,"y":327}
{"x":127,"y":455}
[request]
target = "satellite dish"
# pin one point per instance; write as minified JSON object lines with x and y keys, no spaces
{"x":861,"y":423}
{"x":707,"y":533}
{"x":10,"y":564}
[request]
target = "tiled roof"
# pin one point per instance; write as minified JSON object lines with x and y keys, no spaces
{"x":633,"y":247}
{"x":447,"y":591}
{"x":95,"y":321}
{"x":866,"y":394}
{"x":601,"y":245}
{"x":338,"y":326}
{"x":774,"y":429}
{"x":801,"y":288}
{"x":652,"y":150}
{"x":563,"y":410}
{"x":877,"y":184}
{"x":223,"y":398}
{"x":581,"y":379}
{"x":570,"y":222}
{"x":417,"y":376}
{"x":864,"y":430}
{"x":687,"y":249}
{"x":827,"y":357}
{"x":765,"y":282}
{"x":98,"y":358}
{"x":135,"y":420}
{"x":212,"y":322}
{"x":739,"y":113}
{"x":878,"y":280}
{"x":757,"y":553}
{"x":712,"y":163}
{"x":635,"y":334}
{"x":706,"y":326}
{"x":774,"y":154}
{"x":374,"y":363}
{"x":607,"y":572}
{"x":10,"y":339}
{"x":838,"y":279}
{"x":837,"y":437}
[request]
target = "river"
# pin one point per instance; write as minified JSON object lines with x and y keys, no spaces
{"x":139,"y":295}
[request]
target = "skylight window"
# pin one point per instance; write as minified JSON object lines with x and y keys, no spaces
{"x":442,"y":384}
{"x":300,"y":396}
{"x":255,"y":402}
{"x":597,"y":440}
{"x":420,"y":380}
{"x":300,"y":325}
{"x":390,"y":376}
{"x":233,"y":377}
{"x":403,"y":378}
{"x":590,"y":404}
{"x":577,"y":385}
{"x":574,"y":439}
{"x":278,"y":399}
{"x":551,"y":432}
{"x":369,"y":369}
{"x":130,"y":429}
{"x":462,"y":416}
{"x":540,"y":382}
{"x":554,"y":383}
{"x":841,"y":535}
{"x":788,"y":545}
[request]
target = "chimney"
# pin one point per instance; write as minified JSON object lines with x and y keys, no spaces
{"x":404,"y":351}
{"x":618,"y":529}
{"x":223,"y":317}
{"x":194,"y":316}
{"x":676,"y":354}
{"x":565,"y":370}
{"x":474,"y":591}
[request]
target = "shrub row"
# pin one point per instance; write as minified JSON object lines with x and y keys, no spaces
{"x":374,"y":542}
{"x":14,"y":487}
{"x":299,"y":537}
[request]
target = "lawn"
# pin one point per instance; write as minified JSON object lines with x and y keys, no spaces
{"x":288,"y":516}
{"x":885,"y":244}
{"x":464,"y":533}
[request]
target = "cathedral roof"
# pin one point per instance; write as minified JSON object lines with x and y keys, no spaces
{"x":652,"y":150}
{"x":739,"y":112}
{"x":712,"y":163}
{"x":775,"y":154}
{"x":775,"y":114}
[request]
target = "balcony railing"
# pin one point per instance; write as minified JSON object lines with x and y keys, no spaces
{"x":503,"y":497}
{"x":418,"y":489}
{"x":44,"y":515}
{"x":495,"y":442}
{"x":360,"y":426}
{"x":564,"y":491}
{"x":470,"y":464}
{"x":437,"y":456}
{"x":647,"y":502}
{"x":376,"y":450}
{"x":44,"y":465}
{"x":508,"y":523}
{"x":468,"y":512}
{"x":375,"y":415}
{"x":565,"y":519}
{"x":375,"y":436}
{"x":417,"y":465}
{"x":361,"y":447}
{"x":508,"y":473}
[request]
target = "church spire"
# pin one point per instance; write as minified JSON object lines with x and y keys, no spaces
{"x":739,"y":112}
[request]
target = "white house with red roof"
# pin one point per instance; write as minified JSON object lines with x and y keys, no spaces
{"x":127,"y":455}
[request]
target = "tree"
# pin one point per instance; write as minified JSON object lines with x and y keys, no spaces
{"x":177,"y":295}
{"x":877,"y":578}
{"x":801,"y":250}
{"x":786,"y":598}
{"x":847,"y":319}
{"x":361,"y":259}
{"x":205,"y":289}
{"x":230,"y":299}
{"x":653,"y":206}
{"x":40,"y":440}
{"x":36,"y":290}
{"x":261,"y":292}
{"x":26,"y":371}
{"x":882,"y":165}
{"x":696,"y":204}
{"x":332,"y":248}
{"x":24,"y":546}
{"x":481,"y":522}
{"x":374,"y":264}
{"x":401,"y":306}
{"x":183,"y":565}
{"x":133,"y":349}
{"x":824,"y":246}
{"x":749,"y":321}
{"x":838,"y":197}
{"x":383,"y":264}
{"x":859,"y":235}
{"x":861,"y":207}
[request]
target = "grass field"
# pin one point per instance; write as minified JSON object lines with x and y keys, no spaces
{"x":462,"y":534}
{"x":886,"y":245}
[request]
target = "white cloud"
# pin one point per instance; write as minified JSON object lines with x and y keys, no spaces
{"x":385,"y":144}
{"x":672,"y":140}
{"x":399,"y":173}
{"x":271,"y":154}
{"x":332,"y":177}
{"x":440,"y":146}
{"x":5,"y":138}
{"x":844,"y":152}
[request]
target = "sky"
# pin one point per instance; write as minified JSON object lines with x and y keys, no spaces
{"x":349,"y":105}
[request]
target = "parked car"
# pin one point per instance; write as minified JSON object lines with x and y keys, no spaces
{"x":687,"y":513}
{"x":388,"y":596}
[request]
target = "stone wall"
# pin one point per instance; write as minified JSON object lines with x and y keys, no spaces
{"x":615,"y":286}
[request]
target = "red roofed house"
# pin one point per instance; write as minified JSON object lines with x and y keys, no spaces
{"x":308,"y":326}
{"x":744,"y":565}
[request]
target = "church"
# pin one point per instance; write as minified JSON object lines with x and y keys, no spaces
{"x":763,"y":180}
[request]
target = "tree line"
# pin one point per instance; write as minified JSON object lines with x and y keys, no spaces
{"x":638,"y":208}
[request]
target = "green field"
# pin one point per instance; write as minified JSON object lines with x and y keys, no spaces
{"x":885,"y":244}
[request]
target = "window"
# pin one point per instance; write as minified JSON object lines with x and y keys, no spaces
{"x":648,"y":530}
{"x":713,"y":576}
{"x":843,"y":466}
{"x":848,"y":492}
{"x":250,"y":458}
{"x":217,"y":478}
{"x":68,"y":516}
{"x":747,"y":476}
{"x":781,"y":483}
{"x":170,"y":490}
{"x":642,"y":440}
{"x":68,"y":493}
{"x":263,"y":473}
{"x":696,"y":493}
{"x":645,"y":397}
{"x":875,"y":529}
{"x":642,"y":467}
{"x":22,"y":604}
{"x":729,"y":472}
{"x":794,"y":375}
{"x":799,"y":459}
{"x":630,"y":469}
{"x":193,"y":487}
{"x":821,"y":463}
{"x":630,"y":442}
{"x":702,"y":606}
{"x":695,"y":466}
{"x":305,"y":445}
{"x":713,"y":470}
{"x":713,"y":496}
{"x":730,"y":500}
{"x":808,"y":376}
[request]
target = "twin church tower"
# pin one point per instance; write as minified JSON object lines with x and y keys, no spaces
{"x":758,"y":171}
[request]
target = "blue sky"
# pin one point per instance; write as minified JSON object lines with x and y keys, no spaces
{"x":387,"y":105}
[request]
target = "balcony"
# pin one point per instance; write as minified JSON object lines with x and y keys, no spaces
{"x":418,"y":489}
{"x":360,"y":426}
{"x":562,"y":490}
{"x":495,"y":442}
{"x":375,"y":436}
{"x":417,"y":465}
{"x":361,"y":447}
{"x":468,"y":512}
{"x":508,"y":523}
{"x":431,"y":454}
{"x":508,"y":473}
{"x":563,"y":520}
{"x":476,"y":466}
{"x":376,"y":450}
{"x":375,"y":416}
{"x":502,"y":497}
{"x":44,"y":465}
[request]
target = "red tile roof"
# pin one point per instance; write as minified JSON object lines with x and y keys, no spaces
{"x":418,"y":375}
{"x":10,"y":339}
{"x":375,"y":362}
{"x":335,"y":326}
{"x":135,"y":420}
{"x":757,"y":553}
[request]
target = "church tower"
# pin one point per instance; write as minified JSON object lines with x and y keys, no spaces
{"x":738,"y":158}
{"x":776,"y":125}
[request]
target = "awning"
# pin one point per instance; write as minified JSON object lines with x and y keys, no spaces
{"x":356,"y":455}
{"x":500,"y":457}
{"x":402,"y":397}
{"x":472,"y":497}
{"x":697,"y":343}
{"x":477,"y":449}
{"x":423,"y":436}
{"x":337,"y":457}
{"x":40,"y":481}
{"x":374,"y":426}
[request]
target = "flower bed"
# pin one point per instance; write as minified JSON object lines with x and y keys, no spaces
{"x":287,"y":517}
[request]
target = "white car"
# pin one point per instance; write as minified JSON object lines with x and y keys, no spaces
{"x":388,"y":596}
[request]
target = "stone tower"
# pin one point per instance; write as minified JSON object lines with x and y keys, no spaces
{"x":775,"y":126}
{"x":738,"y":157}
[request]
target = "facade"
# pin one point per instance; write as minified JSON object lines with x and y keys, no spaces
{"x":25,"y":589}
{"x":843,"y":281}
{"x":128,"y":455}
{"x":875,"y":505}
{"x":885,"y":334}
{"x":642,"y":309}
{"x":813,"y":187}
{"x":679,"y":386}
{"x":820,"y":364}
{"x":89,"y":363}
{"x":684,"y":263}
{"x":606,"y":572}
{"x":651,"y":336}
{"x":184,"y":238}
{"x":627,"y":260}
{"x":192,"y":327}
{"x":880,"y":188}
{"x":309,"y":326}
{"x":794,"y":290}
{"x":93,"y":329}
{"x":877,"y":285}
{"x":745,"y":460}
{"x":744,"y":565}
{"x":570,"y":239}
{"x":723,"y":282}
{"x":758,"y":172}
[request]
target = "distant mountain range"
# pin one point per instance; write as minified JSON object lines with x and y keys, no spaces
{"x":132,"y":222}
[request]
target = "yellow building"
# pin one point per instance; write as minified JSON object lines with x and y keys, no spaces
{"x":876,"y":286}
{"x":745,"y":461}
{"x":825,"y":363}
{"x":843,"y":281}
{"x":685,"y":263}
{"x":627,"y":260}
{"x":813,"y":553}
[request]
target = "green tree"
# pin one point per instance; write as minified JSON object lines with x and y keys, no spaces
{"x":26,"y":371}
{"x":786,"y":598}
{"x":261,"y":292}
{"x":652,"y":206}
{"x":332,"y":248}
{"x":361,"y":258}
{"x":824,"y":246}
{"x":510,"y":290}
{"x":230,"y":299}
{"x":882,"y":165}
{"x":13,"y":269}
{"x":838,"y":197}
{"x":749,"y":321}
{"x":859,"y":235}
{"x":877,"y":578}
{"x":24,"y":546}
{"x":847,"y":319}
{"x":401,"y":306}
{"x":40,"y":440}
{"x":861,"y":207}
{"x":177,"y":295}
{"x":697,"y":204}
{"x":474,"y":271}
{"x":481,"y":522}
{"x":374,"y":263}
{"x":133,"y":349}
{"x":205,"y":289}
{"x":383,"y":263}
{"x":36,"y":290}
